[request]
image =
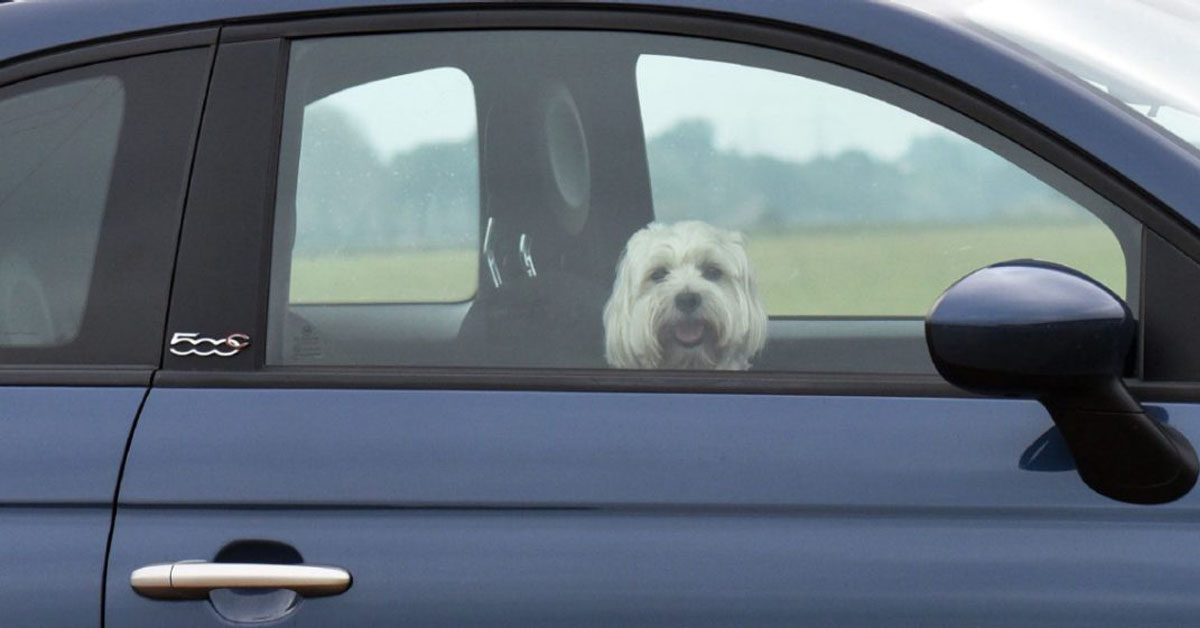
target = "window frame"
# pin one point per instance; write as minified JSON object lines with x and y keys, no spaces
{"x":120,"y":334}
{"x":1174,"y":241}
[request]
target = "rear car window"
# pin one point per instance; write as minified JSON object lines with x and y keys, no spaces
{"x":387,"y":209}
{"x":57,"y":150}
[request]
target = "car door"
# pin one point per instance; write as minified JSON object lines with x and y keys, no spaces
{"x":392,"y":316}
{"x":94,"y":152}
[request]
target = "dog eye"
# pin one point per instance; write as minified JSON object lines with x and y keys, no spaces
{"x":658,"y":275}
{"x":712,"y":272}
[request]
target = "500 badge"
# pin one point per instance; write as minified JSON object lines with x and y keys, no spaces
{"x":190,"y":343}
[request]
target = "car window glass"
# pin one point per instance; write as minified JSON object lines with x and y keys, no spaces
{"x":386,"y":207}
{"x":850,"y":205}
{"x":57,"y":150}
{"x":640,"y":201}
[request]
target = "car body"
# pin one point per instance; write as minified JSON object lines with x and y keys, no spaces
{"x":320,"y":283}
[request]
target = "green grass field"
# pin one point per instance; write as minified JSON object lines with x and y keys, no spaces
{"x":414,"y":275}
{"x":901,"y":271}
{"x":845,"y":272}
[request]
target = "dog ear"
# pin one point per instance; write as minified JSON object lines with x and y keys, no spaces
{"x":757,"y":318}
{"x":756,"y":336}
{"x":624,"y":346}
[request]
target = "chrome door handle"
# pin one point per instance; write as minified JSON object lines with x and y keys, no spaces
{"x":194,"y":579}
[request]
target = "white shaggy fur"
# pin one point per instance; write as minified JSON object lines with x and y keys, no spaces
{"x":685,"y":298}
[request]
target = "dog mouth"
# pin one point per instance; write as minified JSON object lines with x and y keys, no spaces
{"x":689,"y":333}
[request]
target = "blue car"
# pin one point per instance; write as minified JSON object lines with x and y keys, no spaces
{"x":655,"y":313}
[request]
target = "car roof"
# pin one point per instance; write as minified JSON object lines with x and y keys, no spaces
{"x":31,"y":26}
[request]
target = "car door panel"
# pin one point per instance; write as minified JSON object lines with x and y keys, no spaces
{"x":499,"y":508}
{"x":52,"y":559}
{"x":87,"y":426}
{"x":597,"y":568}
{"x":461,"y":448}
{"x":60,"y":454}
{"x":654,"y":568}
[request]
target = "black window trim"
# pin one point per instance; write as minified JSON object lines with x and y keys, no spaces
{"x":1162,"y":224}
{"x":127,"y":358}
{"x":89,"y":52}
{"x":605,"y":380}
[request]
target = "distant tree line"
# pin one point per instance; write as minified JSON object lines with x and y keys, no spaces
{"x":937,"y":180}
{"x":351,"y":200}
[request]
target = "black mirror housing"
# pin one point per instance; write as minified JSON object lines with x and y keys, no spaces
{"x":1044,"y":331}
{"x":1019,"y":328}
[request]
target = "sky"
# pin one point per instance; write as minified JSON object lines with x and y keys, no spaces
{"x":758,"y":111}
{"x":401,"y":112}
{"x":753,"y":111}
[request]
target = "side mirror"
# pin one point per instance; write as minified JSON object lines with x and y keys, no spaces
{"x":1044,"y":331}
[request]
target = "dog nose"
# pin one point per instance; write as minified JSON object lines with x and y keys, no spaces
{"x":687,"y":301}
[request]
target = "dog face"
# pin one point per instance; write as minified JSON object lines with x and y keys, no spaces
{"x":685,"y":298}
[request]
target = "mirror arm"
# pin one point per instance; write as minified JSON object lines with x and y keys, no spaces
{"x":1119,"y":450}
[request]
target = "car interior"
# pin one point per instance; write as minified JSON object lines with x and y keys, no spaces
{"x":563,"y":183}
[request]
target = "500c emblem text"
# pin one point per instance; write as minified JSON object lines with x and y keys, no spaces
{"x":190,"y":343}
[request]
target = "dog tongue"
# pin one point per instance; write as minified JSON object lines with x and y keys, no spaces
{"x":689,"y":333}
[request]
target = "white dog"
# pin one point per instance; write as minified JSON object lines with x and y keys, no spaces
{"x":685,"y":298}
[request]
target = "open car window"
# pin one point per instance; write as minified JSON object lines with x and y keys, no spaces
{"x":603,"y":199}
